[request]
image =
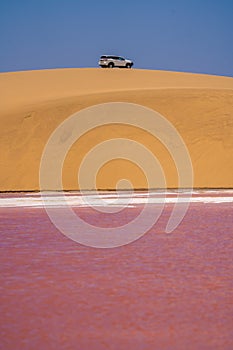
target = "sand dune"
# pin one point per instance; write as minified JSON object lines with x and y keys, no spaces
{"x":34,"y":103}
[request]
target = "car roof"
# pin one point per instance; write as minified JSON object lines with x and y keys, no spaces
{"x":109,"y":56}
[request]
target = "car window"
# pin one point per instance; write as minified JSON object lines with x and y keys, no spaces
{"x":112,"y":57}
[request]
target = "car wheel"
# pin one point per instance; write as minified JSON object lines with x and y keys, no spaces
{"x":111,"y":65}
{"x":128,"y":65}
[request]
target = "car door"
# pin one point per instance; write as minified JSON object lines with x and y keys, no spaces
{"x":121,"y":62}
{"x":115,"y":61}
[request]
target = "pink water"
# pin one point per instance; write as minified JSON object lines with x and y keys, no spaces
{"x":164,"y":291}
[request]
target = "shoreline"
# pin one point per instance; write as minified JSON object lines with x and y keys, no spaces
{"x":175,"y":189}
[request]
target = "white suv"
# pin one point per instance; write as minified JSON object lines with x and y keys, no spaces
{"x":108,"y":61}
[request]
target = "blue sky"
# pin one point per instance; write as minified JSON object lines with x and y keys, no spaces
{"x":192,"y":36}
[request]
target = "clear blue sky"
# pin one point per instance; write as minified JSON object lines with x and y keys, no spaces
{"x":180,"y":35}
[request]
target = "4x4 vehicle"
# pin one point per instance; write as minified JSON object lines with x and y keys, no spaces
{"x":108,"y":61}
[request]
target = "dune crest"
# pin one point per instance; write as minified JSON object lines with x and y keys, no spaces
{"x":34,"y":103}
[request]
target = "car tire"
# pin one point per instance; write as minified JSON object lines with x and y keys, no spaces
{"x":111,"y":65}
{"x":128,"y":65}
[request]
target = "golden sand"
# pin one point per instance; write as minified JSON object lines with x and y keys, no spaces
{"x":34,"y":103}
